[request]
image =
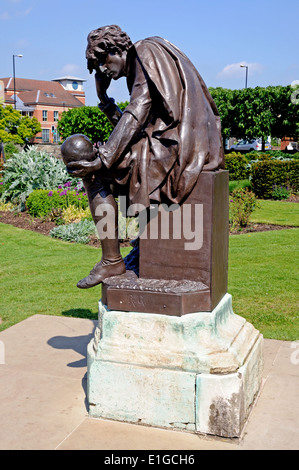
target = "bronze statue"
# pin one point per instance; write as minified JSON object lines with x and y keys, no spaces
{"x":167,"y":135}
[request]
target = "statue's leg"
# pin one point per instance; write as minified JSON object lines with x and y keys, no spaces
{"x":104,"y":212}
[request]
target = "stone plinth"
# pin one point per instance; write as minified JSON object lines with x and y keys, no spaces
{"x":199,"y":372}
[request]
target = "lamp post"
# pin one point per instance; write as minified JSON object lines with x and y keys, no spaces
{"x":14,"y":76}
{"x":246,"y":67}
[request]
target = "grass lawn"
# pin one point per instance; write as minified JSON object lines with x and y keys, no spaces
{"x":38,"y":275}
{"x":264,"y":281}
{"x":276,"y":212}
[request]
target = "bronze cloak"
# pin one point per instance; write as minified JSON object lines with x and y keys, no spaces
{"x":181,"y":135}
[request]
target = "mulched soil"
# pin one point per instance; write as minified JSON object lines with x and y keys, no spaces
{"x":25,"y":221}
{"x":259,"y":228}
{"x":293,"y":198}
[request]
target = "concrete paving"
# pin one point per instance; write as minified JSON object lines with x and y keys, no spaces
{"x":43,"y":397}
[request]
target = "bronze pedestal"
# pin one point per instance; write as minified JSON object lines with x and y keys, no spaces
{"x":174,"y":278}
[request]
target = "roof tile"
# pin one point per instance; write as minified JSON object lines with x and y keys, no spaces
{"x":51,"y":93}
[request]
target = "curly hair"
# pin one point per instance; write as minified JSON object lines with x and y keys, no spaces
{"x":103,"y":40}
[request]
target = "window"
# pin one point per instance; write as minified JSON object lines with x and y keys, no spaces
{"x":45,"y":115}
{"x":27,"y":113}
{"x":56,"y":114}
{"x":46,"y":135}
{"x":56,"y":137}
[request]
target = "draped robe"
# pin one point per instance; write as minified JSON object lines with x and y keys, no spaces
{"x":169,"y":132}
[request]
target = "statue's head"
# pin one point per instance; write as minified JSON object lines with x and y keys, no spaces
{"x":78,"y":147}
{"x":105,"y":40}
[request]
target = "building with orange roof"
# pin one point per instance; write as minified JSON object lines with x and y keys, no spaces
{"x":45,"y":100}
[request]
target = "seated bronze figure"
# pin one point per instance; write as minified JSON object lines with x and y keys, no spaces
{"x":169,"y":132}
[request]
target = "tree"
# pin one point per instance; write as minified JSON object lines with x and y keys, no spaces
{"x":257,"y":112}
{"x":253,"y":113}
{"x":17,"y":128}
{"x":285,"y":110}
{"x":224,"y":99}
{"x":88,"y":120}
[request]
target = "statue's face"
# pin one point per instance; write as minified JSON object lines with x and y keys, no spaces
{"x":114,"y":65}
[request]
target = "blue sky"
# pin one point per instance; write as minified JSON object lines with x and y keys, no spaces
{"x":217,"y":35}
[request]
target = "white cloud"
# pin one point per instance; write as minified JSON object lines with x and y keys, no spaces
{"x":5,"y":16}
{"x":24,"y":12}
{"x":235,"y":70}
{"x":71,"y":69}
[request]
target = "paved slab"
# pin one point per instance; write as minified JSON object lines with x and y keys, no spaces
{"x":43,"y":397}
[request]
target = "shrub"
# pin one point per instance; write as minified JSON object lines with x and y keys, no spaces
{"x":242,"y":204}
{"x":268,"y":173}
{"x":9,"y":150}
{"x":6,"y":206}
{"x":88,"y":120}
{"x":41,"y":202}
{"x":76,"y":232}
{"x":29,"y":170}
{"x":258,"y":155}
{"x":75,"y":214}
{"x":236,"y":164}
{"x":280,"y":192}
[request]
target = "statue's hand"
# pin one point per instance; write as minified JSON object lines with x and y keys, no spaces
{"x":82,"y":168}
{"x":102,"y":84}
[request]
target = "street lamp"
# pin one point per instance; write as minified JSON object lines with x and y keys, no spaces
{"x":14,"y":76}
{"x":246,"y":67}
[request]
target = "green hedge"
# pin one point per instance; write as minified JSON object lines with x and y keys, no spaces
{"x":267,"y":173}
{"x":41,"y":201}
{"x":236,"y":164}
{"x":239,"y":164}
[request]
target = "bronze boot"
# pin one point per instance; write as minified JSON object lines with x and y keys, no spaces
{"x":102,"y":270}
{"x":111,"y":263}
